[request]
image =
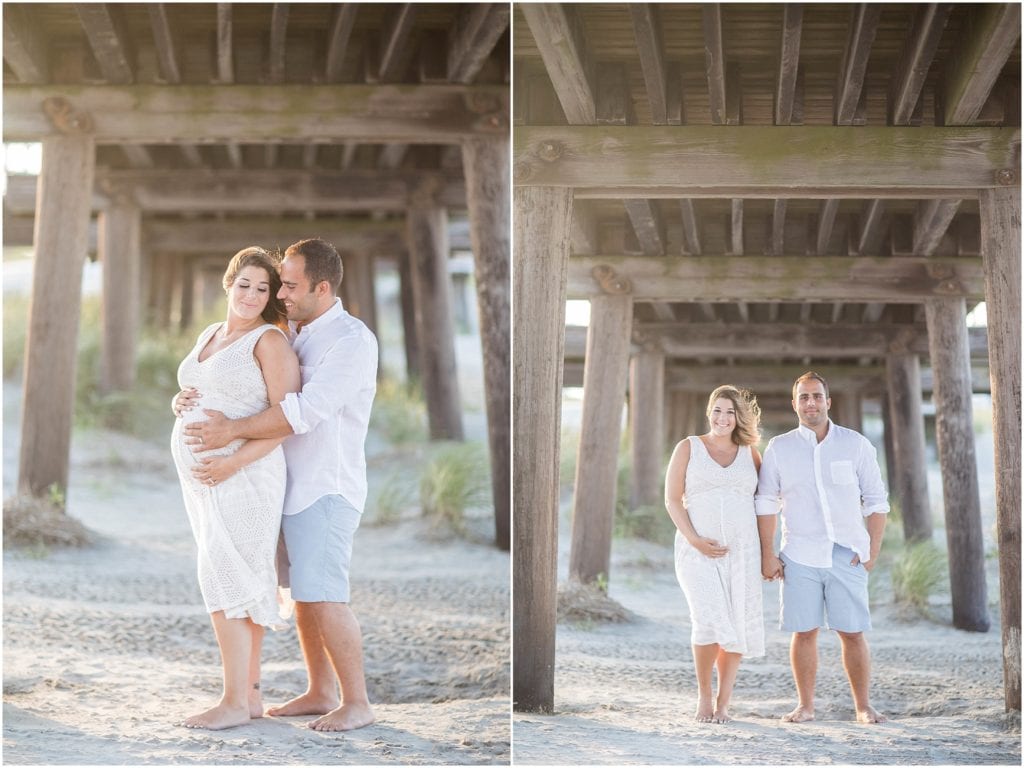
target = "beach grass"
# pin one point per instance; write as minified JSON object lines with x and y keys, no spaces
{"x":455,"y":479}
{"x":917,"y":573}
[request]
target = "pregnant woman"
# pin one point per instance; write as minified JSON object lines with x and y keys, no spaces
{"x":709,"y":494}
{"x":234,"y":495}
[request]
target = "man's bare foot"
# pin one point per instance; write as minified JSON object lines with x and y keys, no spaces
{"x":801,"y":714}
{"x":347,"y":717}
{"x":722,"y":715}
{"x":705,"y":711}
{"x":869,"y":715}
{"x":306,"y":704}
{"x":218,"y":718}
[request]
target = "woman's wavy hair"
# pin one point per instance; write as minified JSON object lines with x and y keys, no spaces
{"x":748,"y":413}
{"x":254,"y":256}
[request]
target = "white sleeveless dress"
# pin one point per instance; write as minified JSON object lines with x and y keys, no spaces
{"x":236,"y":523}
{"x":724,"y":594}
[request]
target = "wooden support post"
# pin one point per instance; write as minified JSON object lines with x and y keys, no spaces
{"x":604,"y":389}
{"x":187,"y":272}
{"x":890,"y":450}
{"x":954,"y":432}
{"x":543,"y":224}
{"x":119,"y":232}
{"x":908,"y":476}
{"x":161,"y":286}
{"x":211,"y":289}
{"x":60,"y":242}
{"x":695,"y":418}
{"x":487,"y":183}
{"x":1000,"y":249}
{"x":428,"y":245}
{"x":646,"y":407}
{"x":409,"y":337}
{"x":849,"y":412}
{"x":358,"y":275}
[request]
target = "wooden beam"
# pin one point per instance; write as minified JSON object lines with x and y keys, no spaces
{"x":782,"y":161}
{"x":789,"y":62}
{"x":342,"y":22}
{"x":778,"y":241}
{"x":225,"y":44}
{"x":931,"y":222}
{"x":691,"y":233}
{"x":992,"y":33}
{"x":647,"y":30}
{"x":143,"y":114}
{"x":649,"y":228}
{"x":190,"y":153}
{"x":863,"y":25}
{"x":781,"y":278}
{"x":585,"y":236}
{"x":479,"y":27}
{"x":873,"y":223}
{"x":24,"y":49}
{"x":614,"y":105}
{"x":922,"y":42}
{"x":309,"y":153}
{"x":234,"y":152}
{"x":109,"y":40}
{"x":560,"y":40}
{"x":204,"y":236}
{"x":714,"y":59}
{"x":138,"y":156}
{"x":277,"y":44}
{"x":734,"y":93}
{"x":391,"y":156}
{"x":163,"y":38}
{"x":736,"y":227}
{"x":826,"y":220}
{"x":348,"y":154}
{"x":395,"y":48}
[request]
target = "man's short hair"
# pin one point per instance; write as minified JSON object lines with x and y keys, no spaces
{"x":322,"y":262}
{"x":806,"y":377}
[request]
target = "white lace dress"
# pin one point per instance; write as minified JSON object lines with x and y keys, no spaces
{"x":724,"y":594}
{"x":236,"y":523}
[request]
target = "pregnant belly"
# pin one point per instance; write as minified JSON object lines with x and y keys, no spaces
{"x":186,"y":456}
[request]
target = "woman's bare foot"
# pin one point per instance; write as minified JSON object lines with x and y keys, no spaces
{"x":722,"y":715}
{"x":705,"y":711}
{"x":218,"y":718}
{"x":801,"y":714}
{"x":347,"y":717}
{"x":869,"y":715}
{"x":306,"y":704}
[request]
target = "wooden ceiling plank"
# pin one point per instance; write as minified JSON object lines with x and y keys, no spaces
{"x":990,"y":39}
{"x":863,"y":26}
{"x":922,"y":42}
{"x":648,"y":225}
{"x":826,"y":220}
{"x":873,"y":223}
{"x":691,"y":231}
{"x":647,"y":30}
{"x":163,"y":38}
{"x":714,"y":59}
{"x":225,"y":44}
{"x":789,"y":62}
{"x":563,"y":48}
{"x":931,"y":221}
{"x":109,"y":40}
{"x":24,"y":49}
{"x":614,"y":105}
{"x":395,"y":48}
{"x":278,"y":43}
{"x":342,"y":23}
{"x":479,"y":28}
{"x":770,"y":278}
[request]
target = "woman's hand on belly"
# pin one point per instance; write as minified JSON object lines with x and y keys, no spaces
{"x":709,"y":547}
{"x":214,"y":470}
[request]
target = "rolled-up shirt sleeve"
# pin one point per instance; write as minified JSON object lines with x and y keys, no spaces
{"x":873,"y":496}
{"x":338,"y":379}
{"x":767,"y":500}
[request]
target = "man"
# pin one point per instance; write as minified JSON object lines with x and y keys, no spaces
{"x":825,"y":479}
{"x":326,"y":491}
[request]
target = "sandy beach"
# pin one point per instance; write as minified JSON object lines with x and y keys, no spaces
{"x":106,"y":647}
{"x":625,"y":693}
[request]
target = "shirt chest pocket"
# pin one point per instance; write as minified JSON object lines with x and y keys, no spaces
{"x":842,"y":472}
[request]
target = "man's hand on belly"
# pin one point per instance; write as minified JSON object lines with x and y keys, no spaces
{"x":215,"y":432}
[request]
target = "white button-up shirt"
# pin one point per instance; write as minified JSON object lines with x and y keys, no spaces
{"x":823,"y":490}
{"x":330,"y":416}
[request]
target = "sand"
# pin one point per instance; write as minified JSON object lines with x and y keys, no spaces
{"x":625,"y":693}
{"x":105,"y":648}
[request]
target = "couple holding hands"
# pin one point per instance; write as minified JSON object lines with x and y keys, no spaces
{"x":724,"y":500}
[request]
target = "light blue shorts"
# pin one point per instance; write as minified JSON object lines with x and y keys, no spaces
{"x":834,"y":598}
{"x":318,"y":545}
